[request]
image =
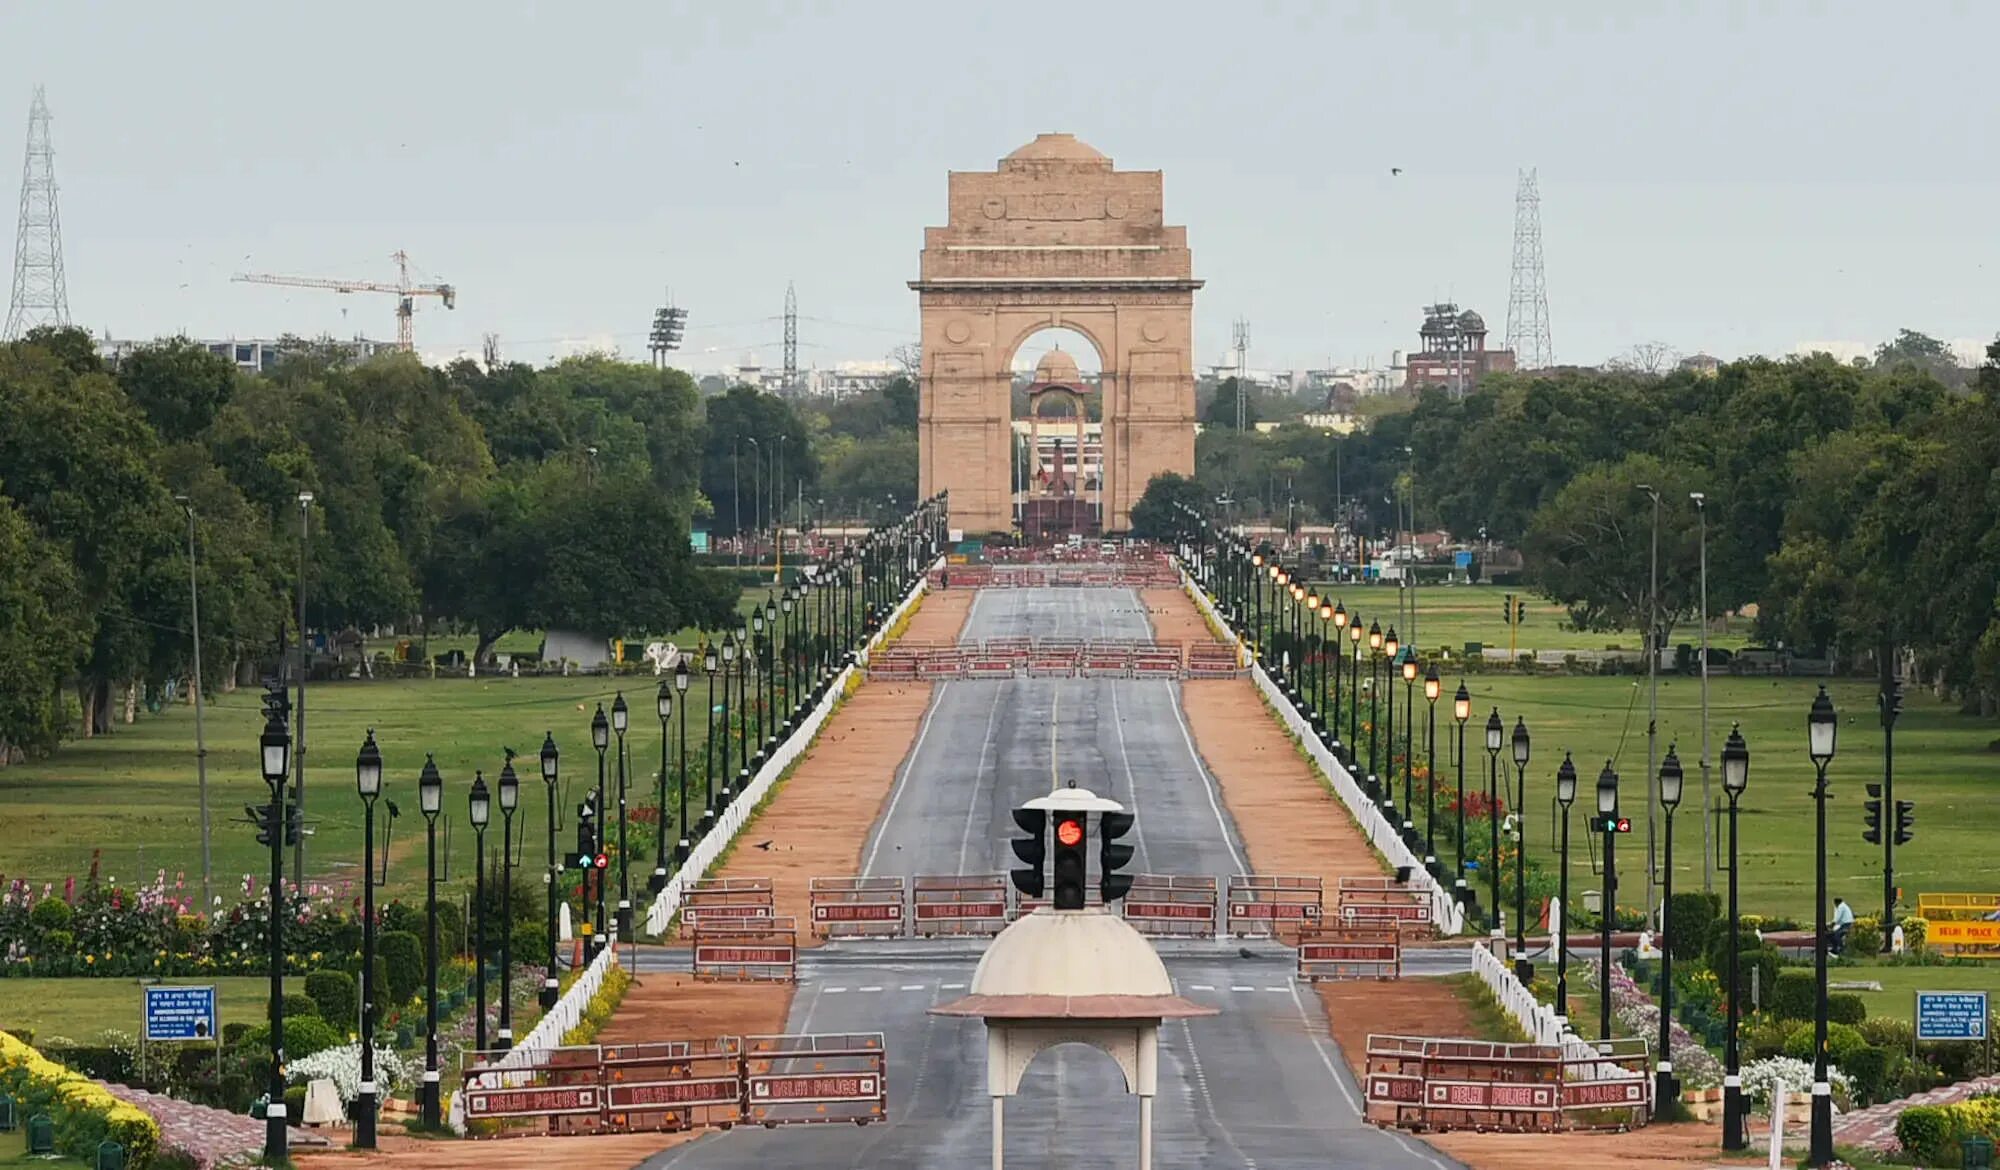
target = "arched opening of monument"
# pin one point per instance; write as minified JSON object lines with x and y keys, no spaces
{"x":1057,"y":410}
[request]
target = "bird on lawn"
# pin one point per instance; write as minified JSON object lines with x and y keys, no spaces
{"x":764,"y":845}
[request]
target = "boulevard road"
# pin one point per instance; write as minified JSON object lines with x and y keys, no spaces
{"x":1258,"y":1086}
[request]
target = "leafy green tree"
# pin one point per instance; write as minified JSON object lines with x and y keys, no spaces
{"x":1591,"y":547}
{"x":730,"y":472}
{"x":43,"y":634}
{"x":1156,"y":515}
{"x":1924,"y":352}
{"x":1221,"y":410}
{"x":179,"y":385}
{"x":881,"y":469}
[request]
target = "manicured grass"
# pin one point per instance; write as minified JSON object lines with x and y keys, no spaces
{"x":1450,"y":616}
{"x":530,"y":641}
{"x":81,"y":1008}
{"x":1900,"y":984}
{"x":14,"y":1153}
{"x":1942,"y":763}
{"x":1489,"y":1020}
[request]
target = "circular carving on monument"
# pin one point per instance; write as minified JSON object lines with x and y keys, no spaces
{"x":995,"y":208}
{"x":958,"y":331}
{"x":1115,"y":206}
{"x":1154,"y":330}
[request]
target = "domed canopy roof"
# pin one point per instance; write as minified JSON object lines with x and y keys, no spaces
{"x":1058,"y":146}
{"x":1058,"y":367}
{"x":1071,"y":954}
{"x":1471,"y":322}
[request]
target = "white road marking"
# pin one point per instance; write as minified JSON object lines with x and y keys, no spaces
{"x":902,"y":781}
{"x":979,"y":778}
{"x":1208,"y":783}
{"x":869,"y":989}
{"x":951,"y":987}
{"x":835,"y":990}
{"x":1279,"y":990}
{"x":1324,"y":1059}
{"x":913,"y":987}
{"x":971,"y":616}
{"x":1200,"y":987}
{"x":1240,"y":987}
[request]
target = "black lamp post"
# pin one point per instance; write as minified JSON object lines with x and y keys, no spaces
{"x":1354,"y":636}
{"x":1461,"y":710}
{"x":681,"y":763}
{"x":708,"y":664}
{"x":275,"y":749}
{"x":771,"y":676}
{"x":1339,"y":666}
{"x":743,"y":705}
{"x":790,"y":657}
{"x":430,"y":798}
{"x":368,"y":782}
{"x":1607,"y":820}
{"x":663,"y":699}
{"x":1523,"y":969}
{"x":757,"y":703}
{"x":1324,"y":658}
{"x":1493,"y":730}
{"x":1374,"y":661}
{"x":728,"y":679}
{"x":479,"y":807}
{"x":510,"y":798}
{"x":1433,"y":687}
{"x":551,"y":986}
{"x":621,"y":718}
{"x":1665,"y":1088}
{"x":1391,"y":647}
{"x":1257,"y":601}
{"x":600,"y":738}
{"x":1559,"y":921}
{"x":1409,"y":756}
{"x":1735,"y":779}
{"x":1820,"y":726}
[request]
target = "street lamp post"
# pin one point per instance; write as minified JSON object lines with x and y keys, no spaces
{"x":550,"y":759}
{"x":1607,"y":817}
{"x":1354,"y":633}
{"x":1433,"y":687}
{"x":770,"y":667}
{"x":1339,"y":667}
{"x":1523,"y":969}
{"x":757,"y":704}
{"x":728,"y":680}
{"x":708,"y":665}
{"x":1820,"y":728}
{"x":743,"y":704}
{"x":1325,"y":656}
{"x":600,"y":738}
{"x":275,"y":749}
{"x":510,"y":798}
{"x":663,"y":700}
{"x":621,"y":718}
{"x":430,"y":798}
{"x":479,"y":808}
{"x":1391,"y":649}
{"x":1409,"y":757}
{"x":1374,"y":659}
{"x":682,"y":847}
{"x":1559,"y":921}
{"x":1665,"y":1088}
{"x":1735,"y":779}
{"x":368,"y":782}
{"x":1461,"y":710}
{"x":790,"y":658}
{"x":1493,"y":729}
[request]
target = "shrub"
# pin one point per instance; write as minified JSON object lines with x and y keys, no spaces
{"x":451,"y":931}
{"x":1845,"y":1007}
{"x":1690,"y":921}
{"x":298,"y":1003}
{"x":1921,"y":1131}
{"x":304,"y":1035}
{"x":295,"y":1104}
{"x":1872,"y":1070}
{"x":233,"y":1032}
{"x":1887,"y":1032}
{"x":1793,"y":996}
{"x":1842,"y":1042}
{"x":1915,"y":931}
{"x":1865,"y":936}
{"x":403,"y":955}
{"x":51,"y":913}
{"x":1763,"y":1036}
{"x":338,"y":997}
{"x":84,"y":1112}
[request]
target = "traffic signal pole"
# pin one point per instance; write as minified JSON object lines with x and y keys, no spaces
{"x":1891,"y":699}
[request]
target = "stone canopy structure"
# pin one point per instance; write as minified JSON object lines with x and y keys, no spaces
{"x":1055,"y":238}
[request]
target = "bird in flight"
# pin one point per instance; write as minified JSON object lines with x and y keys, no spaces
{"x":1395,"y":170}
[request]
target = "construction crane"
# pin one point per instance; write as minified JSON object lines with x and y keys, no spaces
{"x":404,"y":291}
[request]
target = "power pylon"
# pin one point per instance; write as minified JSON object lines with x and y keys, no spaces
{"x":1240,"y":336}
{"x":791,"y":340}
{"x":41,"y":295}
{"x":1528,"y":295}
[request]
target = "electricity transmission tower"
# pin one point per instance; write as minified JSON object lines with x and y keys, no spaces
{"x":791,"y":340}
{"x":1241,"y":334}
{"x":41,"y":295}
{"x":1528,"y":295}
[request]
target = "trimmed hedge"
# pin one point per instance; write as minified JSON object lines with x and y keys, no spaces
{"x":1691,"y":920}
{"x":338,"y":997}
{"x":402,"y":953}
{"x":1932,"y":1133}
{"x":84,"y":1112}
{"x":1794,"y":995}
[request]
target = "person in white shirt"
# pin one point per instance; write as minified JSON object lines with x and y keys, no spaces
{"x":1843,"y":920}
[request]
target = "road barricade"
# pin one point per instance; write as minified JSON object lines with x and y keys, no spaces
{"x":990,"y":666}
{"x":1348,"y":952}
{"x":1366,"y":901}
{"x":1267,"y":905}
{"x":804,"y":1080}
{"x":1014,"y":649}
{"x":857,"y":907}
{"x":764,"y":950}
{"x":1107,"y":664}
{"x":1163,"y":905}
{"x":1047,"y":665}
{"x":941,"y":665}
{"x":545,"y":1091}
{"x":958,"y":904}
{"x":1156,"y":664}
{"x":1424,"y":1083}
{"x":673,"y":1085}
{"x":1213,"y":660}
{"x":894,"y":666}
{"x":725,"y":900}
{"x":1025,"y":906}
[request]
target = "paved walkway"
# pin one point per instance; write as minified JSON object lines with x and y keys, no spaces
{"x":212,"y":1137}
{"x":1874,"y":1128}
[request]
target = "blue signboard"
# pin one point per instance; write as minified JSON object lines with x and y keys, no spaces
{"x":180,"y":1013}
{"x":698,"y":541}
{"x":1462,"y":560}
{"x":1951,"y":1015}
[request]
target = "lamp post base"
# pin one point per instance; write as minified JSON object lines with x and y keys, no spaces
{"x":275,"y":1136}
{"x":681,"y":852}
{"x":506,"y":1039}
{"x":364,"y":1117}
{"x":1665,"y":1088}
{"x":658,"y":881}
{"x":1820,"y":1152}
{"x":428,"y":1111}
{"x":551,"y":991}
{"x":1524,"y":971}
{"x":624,"y":918}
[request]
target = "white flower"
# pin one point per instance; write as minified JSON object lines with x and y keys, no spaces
{"x":342,"y":1066}
{"x":1761,"y":1076}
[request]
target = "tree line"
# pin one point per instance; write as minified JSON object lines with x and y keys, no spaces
{"x":482,"y":499}
{"x":1853,"y":503}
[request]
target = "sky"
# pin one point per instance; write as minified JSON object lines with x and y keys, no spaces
{"x":1720,"y":177}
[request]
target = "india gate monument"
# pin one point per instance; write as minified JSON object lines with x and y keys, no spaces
{"x":1054,"y":238}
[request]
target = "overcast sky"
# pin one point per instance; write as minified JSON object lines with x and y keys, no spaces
{"x":1728,"y":177}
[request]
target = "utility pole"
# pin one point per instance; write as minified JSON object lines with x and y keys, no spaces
{"x":1652,"y":696}
{"x":1528,"y":293}
{"x":200,"y":744}
{"x":1707,"y":799}
{"x":41,"y":292}
{"x":299,"y":716}
{"x":1241,"y":333}
{"x":791,"y":341}
{"x":1891,"y":700}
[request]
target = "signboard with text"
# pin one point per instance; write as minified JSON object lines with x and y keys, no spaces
{"x":180,"y":1013}
{"x":1951,"y":1015}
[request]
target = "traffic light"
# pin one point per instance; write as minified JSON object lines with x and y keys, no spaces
{"x":260,"y":816}
{"x":1112,"y":857}
{"x":1906,"y":821}
{"x":1507,"y":609}
{"x":1071,"y":868}
{"x":1872,"y":816}
{"x":1891,"y":702}
{"x":1032,"y":849}
{"x":586,"y":835}
{"x":1610,"y":825}
{"x":1520,"y":611}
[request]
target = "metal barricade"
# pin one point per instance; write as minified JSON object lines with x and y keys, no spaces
{"x":804,"y":1080}
{"x":989,"y":666}
{"x":545,"y":1091}
{"x":1426,"y":1083}
{"x":1344,"y":952}
{"x":948,"y":904}
{"x":857,"y":907}
{"x":673,"y":1085}
{"x":750,"y":951}
{"x":1163,"y":905}
{"x":725,"y":900}
{"x":1364,"y":901}
{"x":1265,"y":905}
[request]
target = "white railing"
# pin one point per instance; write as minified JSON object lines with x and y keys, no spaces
{"x":1445,"y":910}
{"x":1540,"y":1021}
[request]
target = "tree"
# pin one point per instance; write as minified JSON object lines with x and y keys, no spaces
{"x":1912,"y":349}
{"x":1222,"y":408}
{"x":1590,"y":548}
{"x":613,"y":556}
{"x":179,"y":385}
{"x":1157,"y":514}
{"x":43,"y":634}
{"x":879,"y":469}
{"x":731,"y":474}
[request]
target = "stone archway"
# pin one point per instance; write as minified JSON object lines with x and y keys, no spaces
{"x":1054,"y":238}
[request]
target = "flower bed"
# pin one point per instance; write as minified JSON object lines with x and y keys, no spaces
{"x":84,"y":1112}
{"x":1636,"y":1012}
{"x":342,"y":1065}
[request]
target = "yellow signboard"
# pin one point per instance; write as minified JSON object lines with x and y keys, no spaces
{"x":1936,"y":906}
{"x":1963,"y":934}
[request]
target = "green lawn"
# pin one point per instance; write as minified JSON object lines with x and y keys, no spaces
{"x":1942,"y":763}
{"x":530,"y":641}
{"x":14,"y":1153}
{"x":1449,"y":616}
{"x":80,"y":1008}
{"x":1900,"y":984}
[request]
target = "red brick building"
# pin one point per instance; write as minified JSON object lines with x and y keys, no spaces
{"x":1454,"y":353}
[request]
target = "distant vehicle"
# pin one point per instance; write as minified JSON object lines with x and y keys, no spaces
{"x":1107,"y":549}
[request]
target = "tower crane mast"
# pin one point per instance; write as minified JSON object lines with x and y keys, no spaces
{"x":405,"y":292}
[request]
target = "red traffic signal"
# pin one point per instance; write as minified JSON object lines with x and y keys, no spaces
{"x":603,"y":860}
{"x":1069,"y":831}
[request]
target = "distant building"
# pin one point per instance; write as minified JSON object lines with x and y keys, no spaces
{"x":1454,"y":353}
{"x":252,"y":355}
{"x":1702,"y":364}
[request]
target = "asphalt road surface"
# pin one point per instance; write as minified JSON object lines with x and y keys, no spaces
{"x":1258,"y":1086}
